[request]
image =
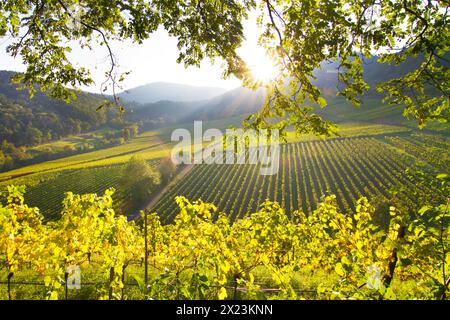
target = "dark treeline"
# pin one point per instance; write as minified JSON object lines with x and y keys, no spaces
{"x":29,"y":122}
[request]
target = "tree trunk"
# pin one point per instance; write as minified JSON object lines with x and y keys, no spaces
{"x":123,"y":281}
{"x":387,"y":279}
{"x":111,"y":279}
{"x":10,"y":275}
{"x":145,"y":249}
{"x":66,"y":277}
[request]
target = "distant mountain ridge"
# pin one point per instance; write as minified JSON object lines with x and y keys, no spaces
{"x":242,"y":101}
{"x":232,"y":103}
{"x":161,"y":104}
{"x":165,"y":91}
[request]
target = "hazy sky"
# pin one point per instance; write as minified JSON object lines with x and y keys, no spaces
{"x":154,"y":60}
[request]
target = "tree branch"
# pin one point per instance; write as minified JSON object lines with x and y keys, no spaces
{"x":110,"y":74}
{"x":271,"y":9}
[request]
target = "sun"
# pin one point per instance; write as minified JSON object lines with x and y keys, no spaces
{"x":262,"y":67}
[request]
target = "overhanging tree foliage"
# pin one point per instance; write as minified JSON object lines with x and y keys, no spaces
{"x":299,"y":35}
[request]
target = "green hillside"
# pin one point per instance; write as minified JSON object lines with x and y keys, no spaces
{"x":53,"y":118}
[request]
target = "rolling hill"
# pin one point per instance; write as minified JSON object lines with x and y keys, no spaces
{"x":240,"y":101}
{"x":160,"y":91}
{"x":164,"y":104}
{"x":53,"y":118}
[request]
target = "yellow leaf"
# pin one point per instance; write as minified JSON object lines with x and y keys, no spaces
{"x":339,"y":269}
{"x":359,"y":245}
{"x":222,"y":279}
{"x":47,"y":280}
{"x":225,"y":266}
{"x":222,"y":293}
{"x":252,"y":278}
{"x":390,"y":295}
{"x":54,"y":295}
{"x":322,"y":102}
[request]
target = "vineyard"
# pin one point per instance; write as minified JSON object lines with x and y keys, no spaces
{"x":147,"y":145}
{"x":349,"y":168}
{"x":96,"y":171}
{"x":91,"y":172}
{"x":199,"y":256}
{"x":431,"y":150}
{"x":48,"y":194}
{"x":310,"y":231}
{"x":352,"y":130}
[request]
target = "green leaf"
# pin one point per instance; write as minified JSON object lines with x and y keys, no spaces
{"x":424,"y":209}
{"x":390,"y":295}
{"x":406,"y":262}
{"x":442,"y":176}
{"x":139,"y":281}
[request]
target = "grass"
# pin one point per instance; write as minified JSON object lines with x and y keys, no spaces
{"x":87,"y":140}
{"x":94,"y":284}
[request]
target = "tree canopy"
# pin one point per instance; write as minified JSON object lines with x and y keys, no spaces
{"x":141,"y":178}
{"x":299,"y":35}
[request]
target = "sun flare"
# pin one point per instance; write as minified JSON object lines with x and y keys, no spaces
{"x":262,"y":67}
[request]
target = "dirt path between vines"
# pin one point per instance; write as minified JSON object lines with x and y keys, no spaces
{"x":154,"y":199}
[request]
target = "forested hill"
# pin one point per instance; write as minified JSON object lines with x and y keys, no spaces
{"x":25,"y":121}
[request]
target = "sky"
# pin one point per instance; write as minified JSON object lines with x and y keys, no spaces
{"x":152,"y":61}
